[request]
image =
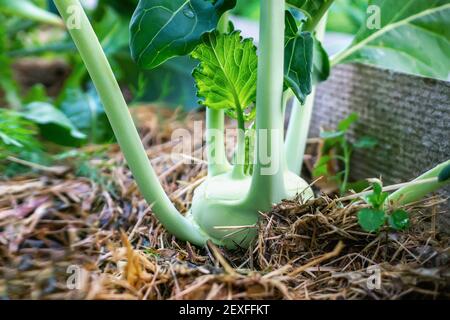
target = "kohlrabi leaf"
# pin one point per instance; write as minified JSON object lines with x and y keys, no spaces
{"x":85,"y":111}
{"x":226,"y":75}
{"x":321,"y":63}
{"x":371,"y":219}
{"x":298,"y":59}
{"x":347,"y":16}
{"x":313,"y":9}
{"x":163,"y":29}
{"x":408,"y":36}
{"x":399,"y":220}
{"x":53,"y":124}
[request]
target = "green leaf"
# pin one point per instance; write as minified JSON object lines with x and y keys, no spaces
{"x":309,"y":7}
{"x":226,"y":75}
{"x":53,"y":124}
{"x":298,"y":59}
{"x":313,"y":9}
{"x":366,"y":143}
{"x":321,"y":167}
{"x":346,"y":16}
{"x":370,"y":219}
{"x":377,"y":197}
{"x":85,"y":111}
{"x":321,"y":63}
{"x":346,"y":123}
{"x":413,"y":37}
{"x":163,"y":29}
{"x":399,"y":220}
{"x":15,"y":131}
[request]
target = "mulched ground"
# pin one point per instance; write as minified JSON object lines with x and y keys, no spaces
{"x":55,"y":224}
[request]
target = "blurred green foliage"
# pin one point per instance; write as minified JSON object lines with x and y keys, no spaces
{"x":347,"y":16}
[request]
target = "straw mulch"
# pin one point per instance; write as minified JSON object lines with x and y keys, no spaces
{"x":54,"y":223}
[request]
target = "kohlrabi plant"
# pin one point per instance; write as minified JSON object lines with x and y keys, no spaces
{"x":233,"y":79}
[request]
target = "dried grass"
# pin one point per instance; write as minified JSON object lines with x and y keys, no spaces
{"x":313,"y":250}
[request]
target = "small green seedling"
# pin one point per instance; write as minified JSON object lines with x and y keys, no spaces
{"x":337,"y":147}
{"x":374,"y":218}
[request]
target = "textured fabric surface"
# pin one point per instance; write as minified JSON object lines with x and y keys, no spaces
{"x":408,"y":115}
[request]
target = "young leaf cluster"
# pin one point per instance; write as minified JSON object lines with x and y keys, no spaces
{"x":374,"y":218}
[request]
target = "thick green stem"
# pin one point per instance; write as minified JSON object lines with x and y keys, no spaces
{"x":239,"y":165}
{"x":415,"y":192}
{"x":297,"y":132}
{"x":215,"y":119}
{"x":119,"y":116}
{"x":299,"y":121}
{"x":215,"y":142}
{"x":267,"y":184}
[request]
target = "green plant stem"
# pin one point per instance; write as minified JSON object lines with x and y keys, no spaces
{"x":215,"y":119}
{"x":347,"y":154}
{"x":267,"y":185}
{"x":415,"y":192}
{"x":299,"y":121}
{"x":239,"y":166}
{"x":215,"y":142}
{"x":311,"y":24}
{"x":29,"y":10}
{"x":123,"y":126}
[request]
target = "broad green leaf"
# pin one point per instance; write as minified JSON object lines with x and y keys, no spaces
{"x":28,"y":10}
{"x":298,"y":59}
{"x":53,"y":124}
{"x":309,"y":7}
{"x":86,"y":112}
{"x":226,"y":75}
{"x":321,"y":63}
{"x":371,"y":219}
{"x":347,"y":16}
{"x":163,"y":29}
{"x":399,"y":220}
{"x":413,"y":37}
{"x":313,"y":9}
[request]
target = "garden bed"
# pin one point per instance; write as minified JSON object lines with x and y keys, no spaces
{"x":54,"y":221}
